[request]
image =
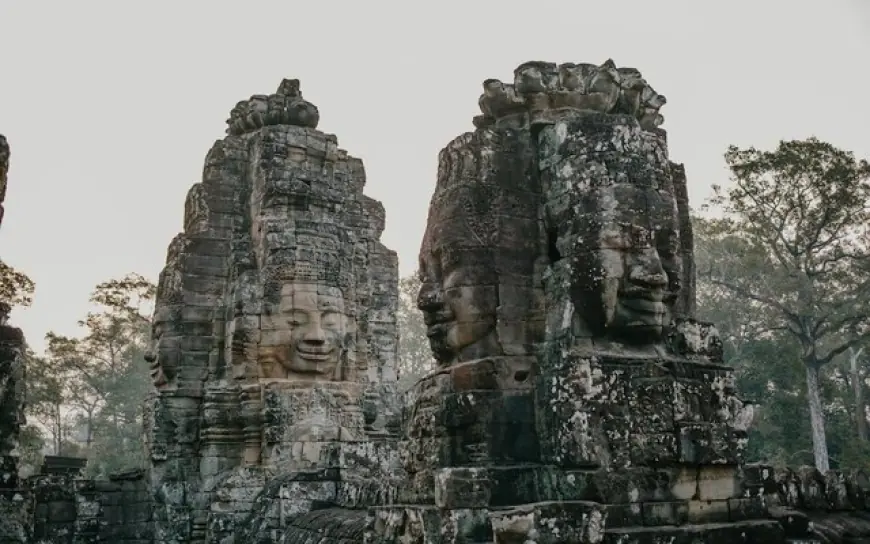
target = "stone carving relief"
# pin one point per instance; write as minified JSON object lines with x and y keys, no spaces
{"x":480,"y":251}
{"x":285,"y":107}
{"x":275,"y":317}
{"x":164,"y":350}
{"x":308,"y":336}
{"x":613,"y":221}
{"x":541,"y":90}
{"x":627,"y":273}
{"x":563,"y":212}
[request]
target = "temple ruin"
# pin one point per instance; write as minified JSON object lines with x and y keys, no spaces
{"x":274,"y":335}
{"x":576,"y":398}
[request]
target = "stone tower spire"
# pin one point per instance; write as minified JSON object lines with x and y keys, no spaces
{"x":274,"y":321}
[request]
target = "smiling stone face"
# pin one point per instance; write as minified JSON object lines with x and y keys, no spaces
{"x":458,"y":304}
{"x":315,"y":315}
{"x":614,"y":227}
{"x":306,"y":334}
{"x":163,"y":353}
{"x":627,"y":268}
{"x":482,"y":250}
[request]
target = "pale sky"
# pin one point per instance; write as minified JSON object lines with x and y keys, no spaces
{"x":110,"y":107}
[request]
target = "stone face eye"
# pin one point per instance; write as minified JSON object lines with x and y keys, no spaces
{"x":331,"y":320}
{"x":297,"y":318}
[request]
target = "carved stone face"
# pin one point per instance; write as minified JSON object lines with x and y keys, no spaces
{"x":629,"y":277}
{"x":458,"y":308}
{"x":163,"y":352}
{"x":315,"y":318}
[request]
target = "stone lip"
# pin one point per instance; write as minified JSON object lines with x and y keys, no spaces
{"x":285,"y":107}
{"x":543,"y":91}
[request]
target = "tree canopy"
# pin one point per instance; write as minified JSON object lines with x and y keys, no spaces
{"x":792,"y":247}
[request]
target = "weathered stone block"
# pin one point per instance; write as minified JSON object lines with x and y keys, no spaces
{"x":708,"y":444}
{"x":746,"y":508}
{"x":550,"y":523}
{"x":708,"y":511}
{"x":462,"y":488}
{"x":752,"y":532}
{"x":717,"y":482}
{"x":624,"y":515}
{"x":665,"y":513}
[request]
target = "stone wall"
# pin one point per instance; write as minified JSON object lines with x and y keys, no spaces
{"x":832,"y":508}
{"x":71,"y":510}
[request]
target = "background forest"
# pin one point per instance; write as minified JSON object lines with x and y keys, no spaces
{"x":783,"y":268}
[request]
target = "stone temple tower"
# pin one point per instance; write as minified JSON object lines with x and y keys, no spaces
{"x":577,"y":399}
{"x":274,"y":334}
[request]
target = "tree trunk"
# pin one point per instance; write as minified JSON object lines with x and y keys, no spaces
{"x":858,"y":386}
{"x":58,"y":439}
{"x":817,"y":419}
{"x":89,"y":437}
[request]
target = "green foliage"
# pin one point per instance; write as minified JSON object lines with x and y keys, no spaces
{"x":31,"y":442}
{"x":792,"y":247}
{"x":47,"y":398}
{"x":90,"y":389}
{"x":800,"y":215}
{"x":16,"y":288}
{"x":414,"y":357}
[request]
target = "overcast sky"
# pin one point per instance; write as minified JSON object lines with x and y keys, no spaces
{"x":110,"y":107}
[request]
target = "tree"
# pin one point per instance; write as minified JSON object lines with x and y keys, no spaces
{"x":104,"y":374}
{"x":769,"y":372}
{"x":16,"y":289}
{"x":857,"y":378}
{"x":793,"y":242}
{"x":415,"y":356}
{"x":47,"y":398}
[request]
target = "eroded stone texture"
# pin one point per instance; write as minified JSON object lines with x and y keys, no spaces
{"x":543,"y":91}
{"x":274,"y":327}
{"x":11,"y":384}
{"x":4,"y":169}
{"x":70,"y":509}
{"x":14,"y":499}
{"x":577,"y":400}
{"x":15,"y":507}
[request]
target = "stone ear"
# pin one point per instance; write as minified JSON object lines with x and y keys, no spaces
{"x":342,"y":369}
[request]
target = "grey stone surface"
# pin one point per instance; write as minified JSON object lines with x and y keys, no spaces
{"x":4,"y":169}
{"x":275,"y":326}
{"x":74,"y":510}
{"x":577,"y":398}
{"x":14,"y":500}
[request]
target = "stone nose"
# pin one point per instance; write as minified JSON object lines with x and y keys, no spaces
{"x":429,"y":298}
{"x":647,"y":270}
{"x":314,"y":334}
{"x":151,"y":353}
